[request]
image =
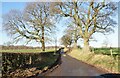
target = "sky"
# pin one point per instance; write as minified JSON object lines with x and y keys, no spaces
{"x":7,"y":6}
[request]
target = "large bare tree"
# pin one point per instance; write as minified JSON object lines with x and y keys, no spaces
{"x":34,"y":23}
{"x":90,"y":17}
{"x":66,"y":40}
{"x":73,"y":31}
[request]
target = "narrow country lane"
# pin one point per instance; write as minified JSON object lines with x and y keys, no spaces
{"x":74,"y":67}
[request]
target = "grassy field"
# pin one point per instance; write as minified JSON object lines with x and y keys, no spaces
{"x":27,"y":50}
{"x":105,"y":50}
{"x":99,"y":60}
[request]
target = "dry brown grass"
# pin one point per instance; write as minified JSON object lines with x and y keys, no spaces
{"x":99,"y":60}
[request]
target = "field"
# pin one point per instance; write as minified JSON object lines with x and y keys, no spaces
{"x":114,"y":52}
{"x":26,"y":50}
{"x":106,"y":50}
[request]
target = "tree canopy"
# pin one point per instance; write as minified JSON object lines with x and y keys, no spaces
{"x":90,"y":17}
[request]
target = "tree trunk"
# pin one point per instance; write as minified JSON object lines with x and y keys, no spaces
{"x":86,"y":47}
{"x":43,"y":40}
{"x":75,"y":45}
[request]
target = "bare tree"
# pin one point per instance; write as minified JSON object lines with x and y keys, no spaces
{"x":73,"y":30}
{"x":66,"y":40}
{"x":34,"y":23}
{"x":90,"y":17}
{"x":106,"y":43}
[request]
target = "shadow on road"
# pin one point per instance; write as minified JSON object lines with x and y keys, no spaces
{"x":107,"y":75}
{"x":110,"y":75}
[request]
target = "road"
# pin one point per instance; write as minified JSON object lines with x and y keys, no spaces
{"x":74,"y":67}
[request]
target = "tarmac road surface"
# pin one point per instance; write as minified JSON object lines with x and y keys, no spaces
{"x":74,"y":67}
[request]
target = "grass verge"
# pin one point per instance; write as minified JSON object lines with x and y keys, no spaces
{"x":98,"y":60}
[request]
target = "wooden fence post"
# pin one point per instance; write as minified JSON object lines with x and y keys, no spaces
{"x":30,"y":60}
